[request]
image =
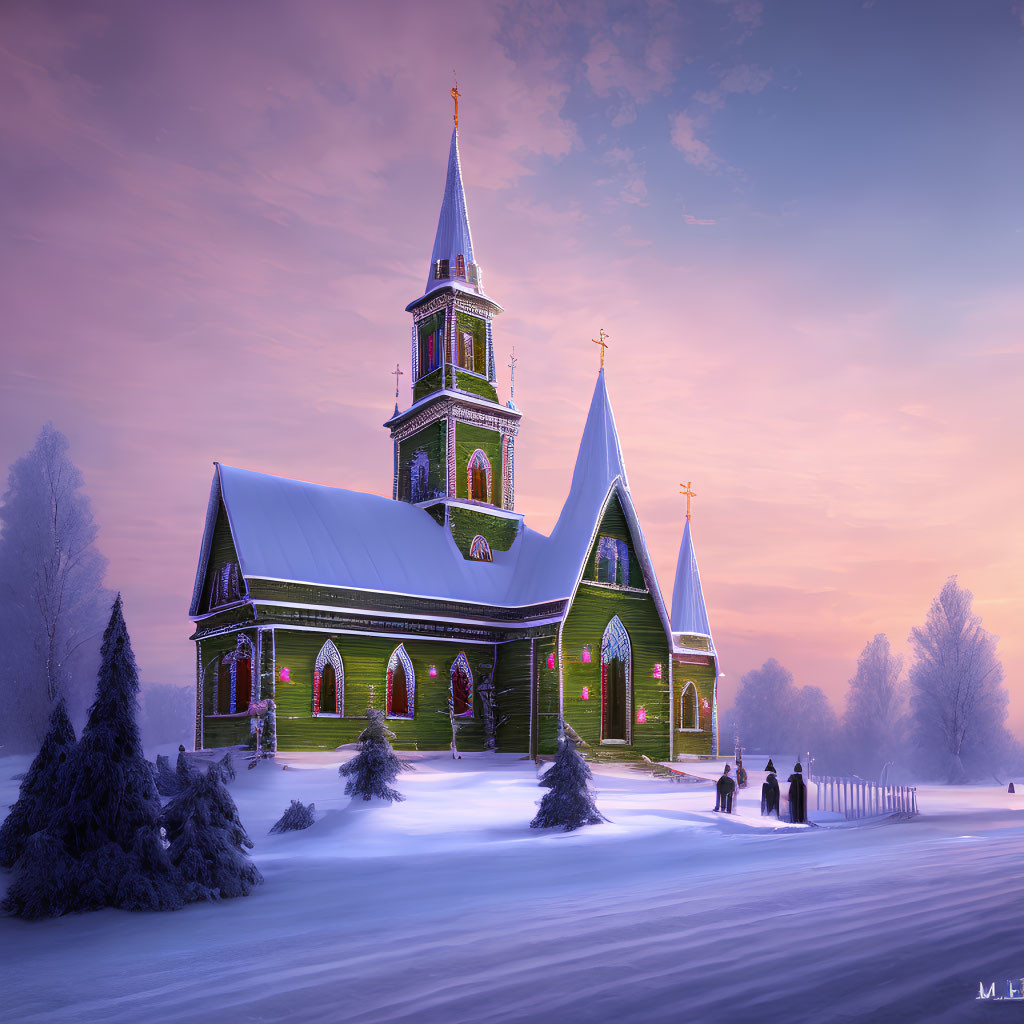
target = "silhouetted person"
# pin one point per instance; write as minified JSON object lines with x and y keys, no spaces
{"x":725,"y":786}
{"x":797,"y":795}
{"x":770,"y":795}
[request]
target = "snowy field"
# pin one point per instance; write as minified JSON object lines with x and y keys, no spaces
{"x":449,"y":908}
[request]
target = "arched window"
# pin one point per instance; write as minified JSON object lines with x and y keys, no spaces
{"x":479,"y":477}
{"x":419,"y":474}
{"x":401,"y":698}
{"x":244,"y":658}
{"x":233,"y":683}
{"x":462,"y":687}
{"x":616,"y":699}
{"x":328,"y":682}
{"x":222,"y":699}
{"x":480,"y":549}
{"x":460,"y":265}
{"x":689,"y":708}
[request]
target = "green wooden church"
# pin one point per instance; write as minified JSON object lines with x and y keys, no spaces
{"x":439,"y":604}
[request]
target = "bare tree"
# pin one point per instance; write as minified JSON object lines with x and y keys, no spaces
{"x":874,"y":722}
{"x":52,"y":602}
{"x":958,"y":700}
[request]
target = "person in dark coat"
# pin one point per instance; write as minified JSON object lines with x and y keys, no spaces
{"x":770,"y":794}
{"x":725,"y":786}
{"x":797,"y":796}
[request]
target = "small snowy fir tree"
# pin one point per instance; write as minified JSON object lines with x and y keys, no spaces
{"x":570,"y":803}
{"x":166,"y":779}
{"x":375,"y":766}
{"x":208,"y":841}
{"x":183,"y":772}
{"x":227,"y":768}
{"x":297,"y":817}
{"x":102,"y":848}
{"x":41,"y":791}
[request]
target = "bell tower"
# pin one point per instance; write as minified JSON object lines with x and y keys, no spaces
{"x":455,"y":445}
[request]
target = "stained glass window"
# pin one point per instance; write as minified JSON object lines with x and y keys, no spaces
{"x":401,"y":695}
{"x":616,"y":657}
{"x":462,"y":687}
{"x":479,"y":471}
{"x":431,"y":342}
{"x":613,"y":561}
{"x":480,"y":549}
{"x":419,"y":475}
{"x":328,"y":682}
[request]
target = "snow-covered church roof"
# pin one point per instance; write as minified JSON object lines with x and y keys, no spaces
{"x":689,"y":613}
{"x":286,"y":529}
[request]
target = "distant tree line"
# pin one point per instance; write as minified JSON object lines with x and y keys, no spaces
{"x":944,"y":719}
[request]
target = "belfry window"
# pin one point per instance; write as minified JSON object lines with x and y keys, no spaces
{"x":613,"y":561}
{"x":419,"y":476}
{"x":430,"y":332}
{"x":460,"y":265}
{"x":479,"y":477}
{"x":401,"y":695}
{"x":441,"y":270}
{"x":479,"y":549}
{"x":462,"y":687}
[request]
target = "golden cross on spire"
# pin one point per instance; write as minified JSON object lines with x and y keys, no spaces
{"x":690,"y":493}
{"x":455,"y":96}
{"x":396,"y":373}
{"x":602,"y":343}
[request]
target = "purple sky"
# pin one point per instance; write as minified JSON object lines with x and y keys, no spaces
{"x":800,"y":223}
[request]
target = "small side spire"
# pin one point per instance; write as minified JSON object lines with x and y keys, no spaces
{"x":689,"y":613}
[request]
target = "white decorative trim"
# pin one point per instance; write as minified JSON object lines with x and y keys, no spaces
{"x":329,"y":654}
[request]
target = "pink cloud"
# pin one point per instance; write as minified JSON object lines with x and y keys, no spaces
{"x":683,"y":134}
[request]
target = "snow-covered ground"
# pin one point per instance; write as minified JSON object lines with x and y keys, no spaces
{"x":449,"y":908}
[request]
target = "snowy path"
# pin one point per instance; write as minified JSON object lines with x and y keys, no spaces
{"x":447,"y":908}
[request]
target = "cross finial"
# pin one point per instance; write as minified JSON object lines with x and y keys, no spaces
{"x":396,"y":373}
{"x":455,"y":96}
{"x":690,"y":493}
{"x":512,"y":363}
{"x":602,"y":343}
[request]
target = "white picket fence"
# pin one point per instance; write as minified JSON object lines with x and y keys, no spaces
{"x":855,"y":798}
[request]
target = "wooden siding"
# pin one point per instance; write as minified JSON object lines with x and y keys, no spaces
{"x":221,"y":730}
{"x":425,"y":385}
{"x":475,"y":385}
{"x":467,"y":523}
{"x":467,"y":439}
{"x":222,"y":552}
{"x":513,"y":674}
{"x":431,"y":440}
{"x":614,"y":525}
{"x":703,"y":678}
{"x":592,"y":610}
{"x":365,"y":661}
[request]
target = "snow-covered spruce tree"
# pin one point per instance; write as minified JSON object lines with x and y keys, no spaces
{"x":227,"y":767}
{"x":166,"y":779}
{"x":183,"y":771}
{"x":874,"y":723}
{"x":208,"y":842}
{"x":41,"y":790}
{"x":52,"y":601}
{"x":570,"y":802}
{"x":375,"y":766}
{"x":103,"y":847}
{"x":297,"y":817}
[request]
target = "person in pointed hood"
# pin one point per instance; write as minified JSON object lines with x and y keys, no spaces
{"x":797,"y":796}
{"x":726,"y":785}
{"x":770,"y":793}
{"x":770,"y":767}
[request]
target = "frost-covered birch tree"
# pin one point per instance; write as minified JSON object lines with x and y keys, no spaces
{"x":958,"y":701}
{"x":52,"y":602}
